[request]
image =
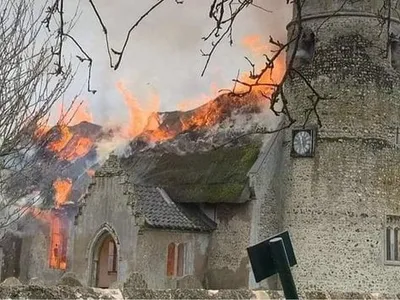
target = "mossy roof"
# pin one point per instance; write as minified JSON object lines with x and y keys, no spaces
{"x":216,"y":176}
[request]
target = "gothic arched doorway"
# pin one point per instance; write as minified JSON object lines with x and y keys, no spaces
{"x":104,"y":270}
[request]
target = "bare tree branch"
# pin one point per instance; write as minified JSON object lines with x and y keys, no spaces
{"x":28,"y":90}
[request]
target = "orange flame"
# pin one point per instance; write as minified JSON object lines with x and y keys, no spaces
{"x":69,"y":146}
{"x":212,"y":113}
{"x":58,"y":236}
{"x":79,"y":147}
{"x":62,"y":189}
{"x":64,"y":137}
{"x":258,"y":48}
{"x":58,"y":225}
{"x":142,"y":119}
{"x":58,"y":244}
{"x":255,"y":44}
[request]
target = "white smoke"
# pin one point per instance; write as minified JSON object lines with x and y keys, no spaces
{"x":13,"y":210}
{"x":163,"y":55}
{"x":117,"y":144}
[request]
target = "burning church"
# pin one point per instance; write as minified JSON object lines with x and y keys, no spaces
{"x":181,"y":206}
{"x":176,"y":208}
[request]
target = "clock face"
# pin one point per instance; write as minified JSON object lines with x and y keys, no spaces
{"x":302,"y":142}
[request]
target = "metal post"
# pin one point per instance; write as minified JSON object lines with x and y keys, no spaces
{"x":281,"y":262}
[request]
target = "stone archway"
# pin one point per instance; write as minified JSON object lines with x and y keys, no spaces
{"x":103,"y":258}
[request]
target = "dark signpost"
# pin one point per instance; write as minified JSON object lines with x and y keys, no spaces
{"x":275,"y":255}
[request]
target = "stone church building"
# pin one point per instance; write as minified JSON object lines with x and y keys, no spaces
{"x":186,"y":220}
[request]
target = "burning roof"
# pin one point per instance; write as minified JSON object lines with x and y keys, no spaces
{"x":203,"y":161}
{"x":212,"y":115}
{"x":193,"y":155}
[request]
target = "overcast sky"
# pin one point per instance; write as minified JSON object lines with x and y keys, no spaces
{"x":163,"y":54}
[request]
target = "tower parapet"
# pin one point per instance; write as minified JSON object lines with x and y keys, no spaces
{"x":350,"y":57}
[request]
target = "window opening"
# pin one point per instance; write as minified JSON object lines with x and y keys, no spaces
{"x":392,"y":239}
{"x":171,"y":260}
{"x":394,"y":51}
{"x":306,"y":47}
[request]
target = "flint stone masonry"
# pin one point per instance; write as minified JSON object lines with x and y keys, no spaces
{"x":35,"y":281}
{"x":227,"y":263}
{"x":338,"y":237}
{"x":266,"y":212}
{"x":69,"y":279}
{"x":11,"y":281}
{"x":135,"y":281}
{"x":57,"y":292}
{"x":335,"y":204}
{"x":66,"y":292}
{"x":360,"y":90}
{"x":152,"y":249}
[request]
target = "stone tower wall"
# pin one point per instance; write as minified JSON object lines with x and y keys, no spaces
{"x":335,"y":203}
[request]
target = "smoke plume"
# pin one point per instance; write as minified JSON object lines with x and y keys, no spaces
{"x":163,"y":55}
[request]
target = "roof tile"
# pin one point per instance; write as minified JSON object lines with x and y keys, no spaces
{"x":161,"y":212}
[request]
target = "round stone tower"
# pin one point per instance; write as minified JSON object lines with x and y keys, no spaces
{"x":341,"y":191}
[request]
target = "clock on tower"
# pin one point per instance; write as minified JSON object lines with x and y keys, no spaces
{"x":303,"y":142}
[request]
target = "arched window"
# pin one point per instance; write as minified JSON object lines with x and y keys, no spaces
{"x":171,"y":260}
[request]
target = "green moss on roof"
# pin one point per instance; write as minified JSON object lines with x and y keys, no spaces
{"x":226,"y":192}
{"x":213,"y":176}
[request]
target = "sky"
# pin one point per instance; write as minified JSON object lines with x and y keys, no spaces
{"x":163,"y":55}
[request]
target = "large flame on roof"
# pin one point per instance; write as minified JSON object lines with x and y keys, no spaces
{"x":69,"y":146}
{"x":144,"y":121}
{"x":65,"y":144}
{"x":64,"y":136}
{"x":142,"y":118}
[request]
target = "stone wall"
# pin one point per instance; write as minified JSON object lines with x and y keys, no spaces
{"x":335,"y":211}
{"x":152,"y":250}
{"x":335,"y":203}
{"x":33,"y":258}
{"x":66,"y":292}
{"x":107,"y":209}
{"x":11,"y":250}
{"x":266,"y":214}
{"x":228,"y":263}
